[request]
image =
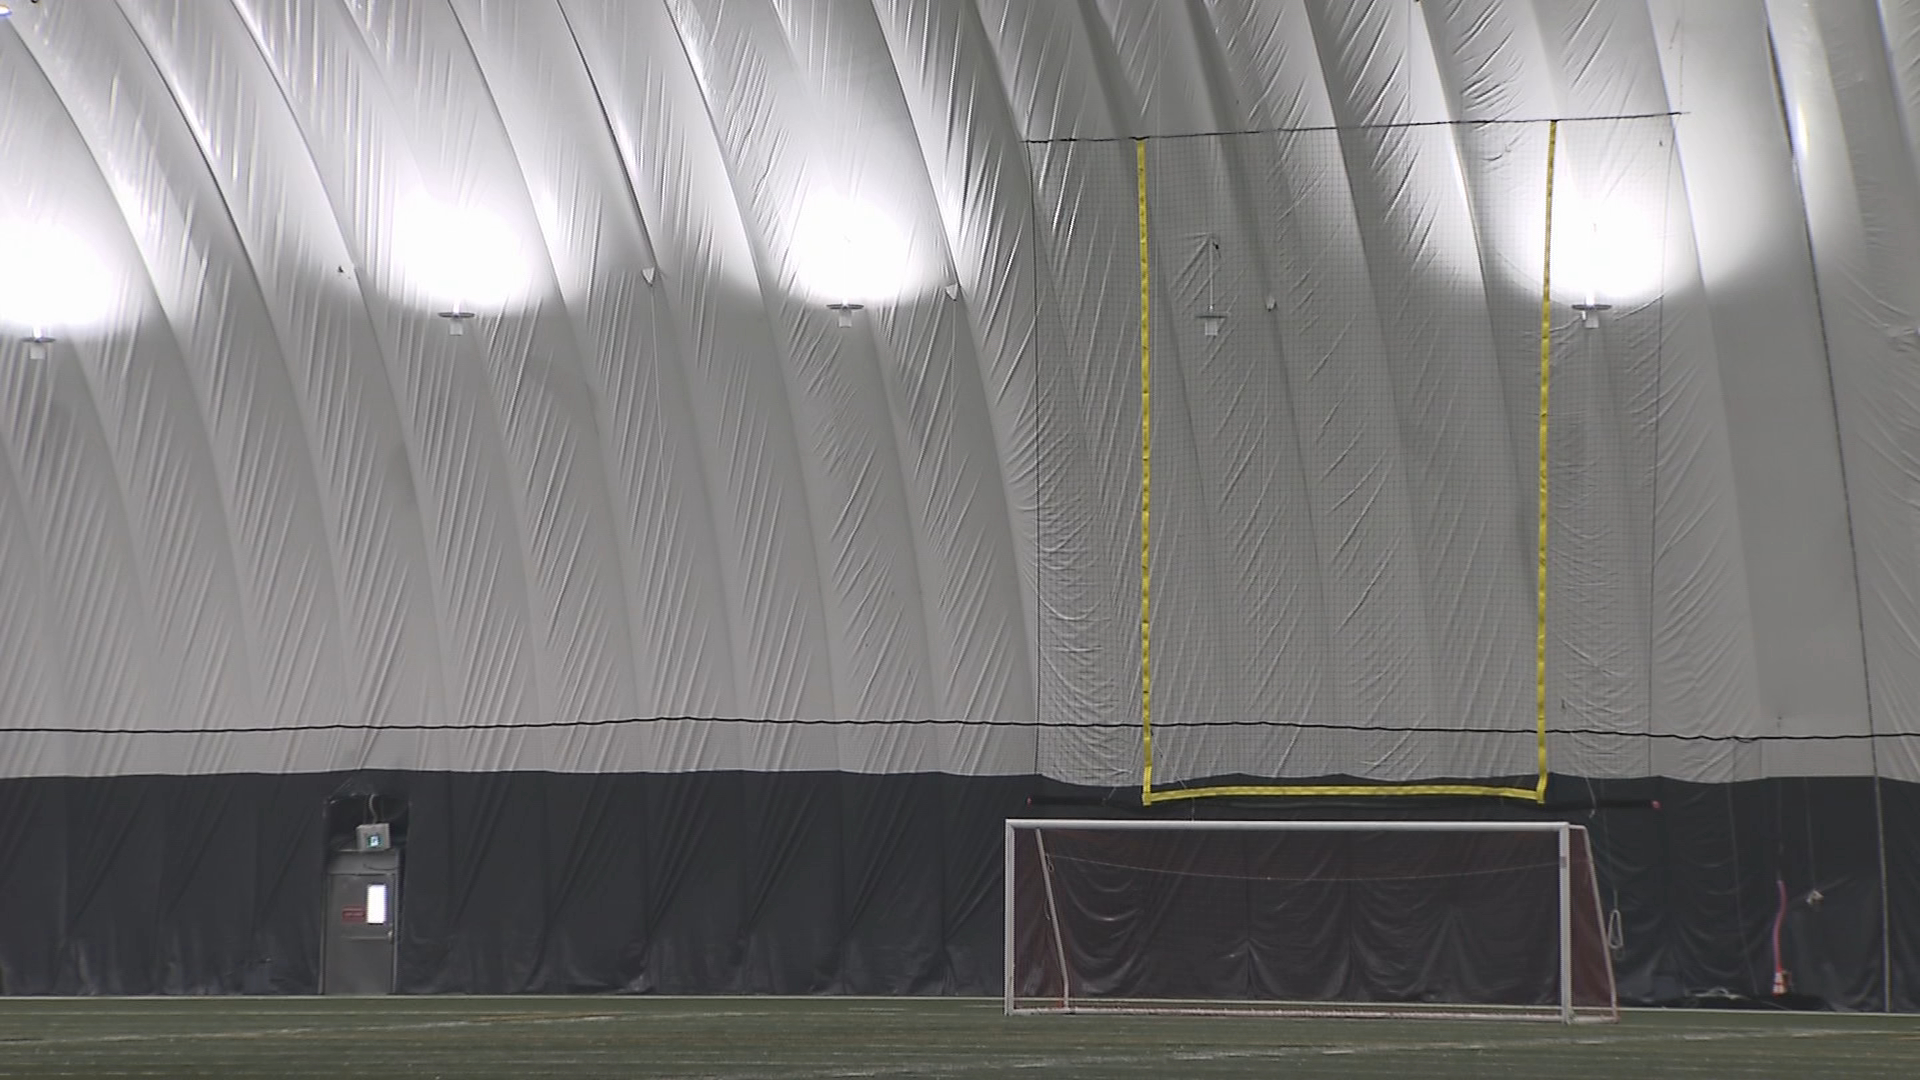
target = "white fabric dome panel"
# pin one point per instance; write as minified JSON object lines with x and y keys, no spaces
{"x":261,"y":511}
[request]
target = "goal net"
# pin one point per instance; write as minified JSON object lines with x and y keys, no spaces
{"x":1312,"y":918}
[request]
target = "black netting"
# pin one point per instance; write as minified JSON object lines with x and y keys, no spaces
{"x":1318,"y":920}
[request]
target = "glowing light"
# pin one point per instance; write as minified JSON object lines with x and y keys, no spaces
{"x":849,"y":252}
{"x":1612,"y":255}
{"x":460,"y":257}
{"x":51,"y":279}
{"x":1606,"y":250}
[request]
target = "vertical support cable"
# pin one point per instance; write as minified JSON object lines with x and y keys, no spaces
{"x":1601,"y":924}
{"x":1795,"y":153}
{"x":1886,"y":909}
{"x":1566,"y":923}
{"x":1146,"y":483}
{"x":1546,"y":371}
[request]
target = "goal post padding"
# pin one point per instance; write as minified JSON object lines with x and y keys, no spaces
{"x":1323,"y":918}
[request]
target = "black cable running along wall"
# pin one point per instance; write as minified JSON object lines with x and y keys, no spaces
{"x":827,"y":882}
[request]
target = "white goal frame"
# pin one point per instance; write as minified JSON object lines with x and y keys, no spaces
{"x":1566,"y":1014}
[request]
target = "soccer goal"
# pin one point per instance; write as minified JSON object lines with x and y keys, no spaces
{"x":1305,"y":918}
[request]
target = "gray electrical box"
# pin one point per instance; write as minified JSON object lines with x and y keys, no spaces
{"x":371,"y":838}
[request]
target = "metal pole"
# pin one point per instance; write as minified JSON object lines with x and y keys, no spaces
{"x":1006,"y":984}
{"x":1566,"y":924}
{"x":1053,"y":916}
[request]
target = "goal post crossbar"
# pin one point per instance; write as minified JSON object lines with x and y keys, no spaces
{"x":1202,"y":825}
{"x":1569,"y":889}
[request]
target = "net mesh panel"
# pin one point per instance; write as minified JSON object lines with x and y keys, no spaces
{"x":1088,"y":432}
{"x":1322,"y":923}
{"x":1615,"y":243}
{"x":1345,"y":358}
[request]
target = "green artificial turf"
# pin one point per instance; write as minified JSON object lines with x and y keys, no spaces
{"x":448,"y":1038}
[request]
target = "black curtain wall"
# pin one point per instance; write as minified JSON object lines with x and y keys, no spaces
{"x":833,"y":882}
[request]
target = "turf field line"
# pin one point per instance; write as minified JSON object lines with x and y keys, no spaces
{"x":1535,"y":1043}
{"x":1481,"y":1045}
{"x":1080,"y":1061}
{"x":665,"y":1019}
{"x":329,"y":1029}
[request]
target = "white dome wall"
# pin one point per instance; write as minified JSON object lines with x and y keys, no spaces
{"x":267,"y":515}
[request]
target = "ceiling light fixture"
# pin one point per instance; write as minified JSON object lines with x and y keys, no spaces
{"x":1596,"y":257}
{"x":1211,"y":318}
{"x":37,"y":344}
{"x":845,"y":312}
{"x":456,"y":322}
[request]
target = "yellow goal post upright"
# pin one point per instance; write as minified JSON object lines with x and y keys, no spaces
{"x":1149,"y":794}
